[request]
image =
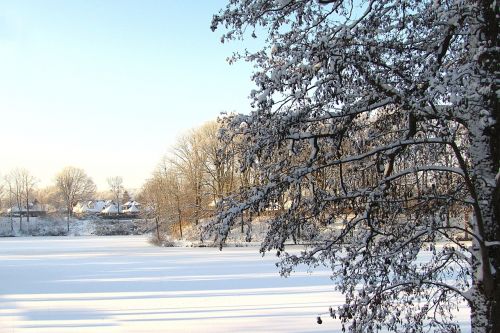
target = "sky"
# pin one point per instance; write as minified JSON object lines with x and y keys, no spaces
{"x":109,"y":85}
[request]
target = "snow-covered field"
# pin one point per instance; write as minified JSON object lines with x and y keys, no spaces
{"x":58,"y":226}
{"x":124,"y":284}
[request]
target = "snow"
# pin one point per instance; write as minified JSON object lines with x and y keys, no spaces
{"x":111,"y":209}
{"x":58,"y":226}
{"x":124,"y":284}
{"x":131,"y":203}
{"x":46,"y":226}
{"x":132,"y":209}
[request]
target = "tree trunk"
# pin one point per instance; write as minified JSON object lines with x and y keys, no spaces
{"x":485,"y":311}
{"x":67,"y":220}
{"x":157,"y":229}
{"x":10,"y":214}
{"x":484,"y":134}
{"x":485,"y":297}
{"x":495,"y":309}
{"x":179,"y":214}
{"x":27,"y":209}
{"x":197,"y":204}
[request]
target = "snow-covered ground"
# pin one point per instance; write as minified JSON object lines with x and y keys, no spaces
{"x":124,"y":284}
{"x":58,"y":226}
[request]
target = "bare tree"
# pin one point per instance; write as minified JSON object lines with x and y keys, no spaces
{"x":380,"y":119}
{"x":21,"y":186}
{"x":116,"y":187}
{"x":10,"y":195}
{"x":153,"y":198}
{"x":196,"y":174}
{"x":74,"y":185}
{"x":174,"y":193}
{"x":5,"y":195}
{"x":28,"y":183}
{"x":165,"y":198}
{"x":2,"y":194}
{"x":218,"y":162}
{"x":51,"y":199}
{"x":189,"y":159}
{"x":126,"y":197}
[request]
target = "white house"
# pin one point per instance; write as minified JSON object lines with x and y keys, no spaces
{"x":35,"y":209}
{"x":111,"y":209}
{"x":89,"y":207}
{"x":107,"y":208}
{"x":132,"y":210}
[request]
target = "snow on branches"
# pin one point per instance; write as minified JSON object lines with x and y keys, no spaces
{"x":375,"y":129}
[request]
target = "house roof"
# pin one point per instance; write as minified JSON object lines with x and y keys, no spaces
{"x":111,"y":209}
{"x":132,"y":209}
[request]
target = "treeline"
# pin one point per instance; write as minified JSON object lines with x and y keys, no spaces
{"x":207,"y":173}
{"x":20,"y":194}
{"x":190,"y":180}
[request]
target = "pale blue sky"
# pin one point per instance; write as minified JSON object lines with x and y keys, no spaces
{"x":108,"y":85}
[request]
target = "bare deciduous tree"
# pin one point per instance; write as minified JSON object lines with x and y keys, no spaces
{"x":189,"y":159}
{"x":219,"y":166}
{"x":116,"y":187}
{"x":74,"y":185}
{"x":28,"y":183}
{"x":21,"y":186}
{"x":164,"y":195}
{"x":9,"y":186}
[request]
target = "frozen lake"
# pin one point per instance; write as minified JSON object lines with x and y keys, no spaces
{"x":124,"y":284}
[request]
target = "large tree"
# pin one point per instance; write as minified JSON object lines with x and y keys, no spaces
{"x":189,"y":158}
{"x":74,"y":185}
{"x":218,"y":162}
{"x":378,"y":121}
{"x":165,"y":197}
{"x":153,"y":196}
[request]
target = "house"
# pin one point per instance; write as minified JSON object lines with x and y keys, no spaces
{"x":79,"y":209}
{"x":111,"y":209}
{"x":131,"y":207}
{"x":107,"y":209}
{"x":92,"y":207}
{"x":128,"y":204}
{"x":96,"y":206}
{"x":35,"y":210}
